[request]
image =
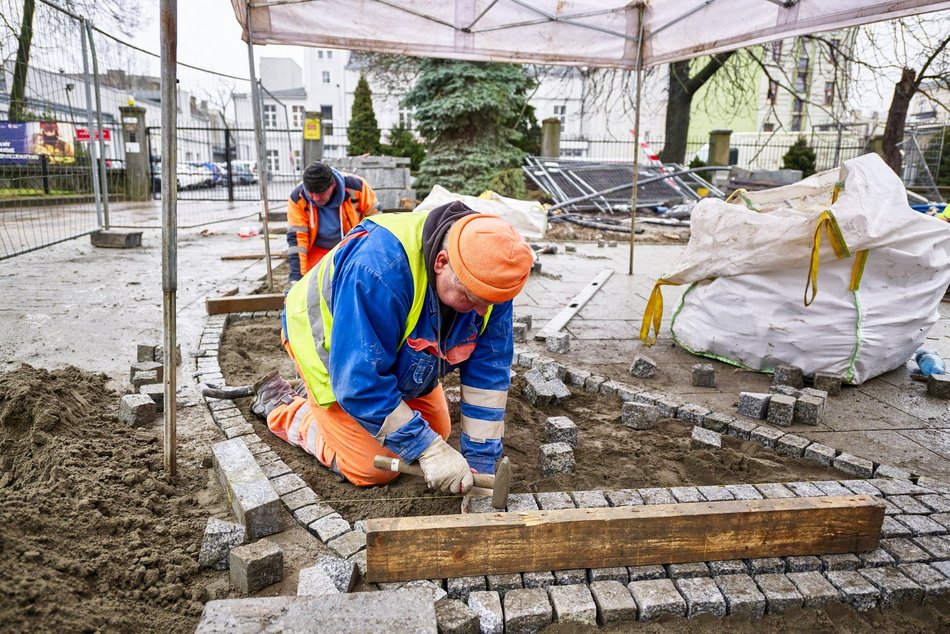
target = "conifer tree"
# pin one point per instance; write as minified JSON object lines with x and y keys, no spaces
{"x":800,"y":156}
{"x":363,"y":131}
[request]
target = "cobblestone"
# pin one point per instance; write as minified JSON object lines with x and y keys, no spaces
{"x":454,"y":617}
{"x":876,"y":558}
{"x":742,"y":595}
{"x":614,"y":602}
{"x":526,"y":611}
{"x":802,"y":563}
{"x":687,"y":494}
{"x":657,"y":496}
{"x":687,"y":571}
{"x":538,"y":579}
{"x":840,"y":561}
{"x":905,"y":551}
{"x":765,"y":435}
{"x":815,"y":589}
{"x":555,"y":500}
{"x":702,"y":596}
{"x":656,"y":598}
{"x":781,"y":410}
{"x":502,"y":584}
{"x":774,"y":490}
{"x":744,"y":492}
{"x":921,"y":525}
{"x":765,"y":565}
{"x":894,"y":586}
{"x":590,"y":499}
{"x":461,"y":587}
{"x":779,"y":591}
{"x":487,"y":605}
{"x":623,"y":497}
{"x":640,"y":573}
{"x":822,"y":454}
{"x":933,"y":582}
{"x":937,"y":545}
{"x":573,"y":604}
{"x":857,"y":591}
{"x":728,"y":567}
{"x":754,"y":404}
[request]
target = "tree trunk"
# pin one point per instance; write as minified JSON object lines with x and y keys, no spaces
{"x":896,"y":117}
{"x":677,"y":114}
{"x":18,"y":90}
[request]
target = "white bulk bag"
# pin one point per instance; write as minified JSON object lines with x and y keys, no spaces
{"x":748,"y":264}
{"x":527,"y":216}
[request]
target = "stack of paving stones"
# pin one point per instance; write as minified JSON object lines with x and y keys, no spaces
{"x":147,"y":377}
{"x":911,"y":564}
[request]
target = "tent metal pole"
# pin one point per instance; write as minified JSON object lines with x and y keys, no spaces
{"x":169,"y":95}
{"x":636,"y":139}
{"x":261,"y":154}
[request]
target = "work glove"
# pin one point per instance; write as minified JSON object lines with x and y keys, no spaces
{"x":445,"y":469}
{"x":474,"y":492}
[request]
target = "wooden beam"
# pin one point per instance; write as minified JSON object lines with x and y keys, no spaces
{"x":244,"y":303}
{"x":438,"y":547}
{"x":574,"y":306}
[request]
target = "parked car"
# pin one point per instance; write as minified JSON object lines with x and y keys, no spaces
{"x":187,"y":177}
{"x":245,"y":172}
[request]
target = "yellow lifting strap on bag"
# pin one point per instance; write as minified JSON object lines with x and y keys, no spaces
{"x":653,"y":314}
{"x":827,"y":222}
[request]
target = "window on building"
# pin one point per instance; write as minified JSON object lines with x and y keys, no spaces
{"x":829,"y":92}
{"x":325,"y":76}
{"x":833,"y":47}
{"x":777,"y":51}
{"x":273,"y":161}
{"x":772,"y":94}
{"x":297,"y":164}
{"x":801,"y":81}
{"x":297,"y":114}
{"x":329,"y":54}
{"x":768,"y":126}
{"x":326,"y":116}
{"x":797,"y":105}
{"x":405,"y":118}
{"x":803,"y":62}
{"x":270,"y":115}
{"x":797,"y":123}
{"x":560,"y":111}
{"x":319,"y":54}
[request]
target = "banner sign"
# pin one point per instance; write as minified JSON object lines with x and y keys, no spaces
{"x":26,"y":142}
{"x":82,"y":135}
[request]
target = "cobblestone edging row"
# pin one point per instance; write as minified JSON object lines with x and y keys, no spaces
{"x":912,"y":563}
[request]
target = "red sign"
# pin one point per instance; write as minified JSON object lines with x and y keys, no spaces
{"x":82,"y":135}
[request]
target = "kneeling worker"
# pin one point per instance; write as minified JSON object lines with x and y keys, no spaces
{"x":403,"y":300}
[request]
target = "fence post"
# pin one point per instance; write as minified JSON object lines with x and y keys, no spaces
{"x":93,"y":154}
{"x":551,"y":138}
{"x":137,"y":185}
{"x":227,"y":159}
{"x":44,"y":172}
{"x":312,"y":138}
{"x":719,"y":147}
{"x":102,"y":146}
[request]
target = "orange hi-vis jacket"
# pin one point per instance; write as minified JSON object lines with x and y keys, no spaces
{"x":303,"y":253}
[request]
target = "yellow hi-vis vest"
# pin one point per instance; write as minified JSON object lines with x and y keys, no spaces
{"x":310,"y":323}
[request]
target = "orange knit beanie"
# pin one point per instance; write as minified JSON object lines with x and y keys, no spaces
{"x":489,"y":257}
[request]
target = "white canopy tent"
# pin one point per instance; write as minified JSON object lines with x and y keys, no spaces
{"x":634,"y":35}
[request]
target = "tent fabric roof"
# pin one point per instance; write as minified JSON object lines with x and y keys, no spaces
{"x":599,"y":33}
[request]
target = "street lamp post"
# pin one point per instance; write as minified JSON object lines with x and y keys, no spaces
{"x":69,"y":103}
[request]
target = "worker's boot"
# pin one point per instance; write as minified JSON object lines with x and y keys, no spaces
{"x":269,"y":392}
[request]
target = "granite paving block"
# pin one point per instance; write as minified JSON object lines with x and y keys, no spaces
{"x":538,"y":579}
{"x":802,"y":563}
{"x":527,"y":610}
{"x":687,"y":571}
{"x":219,"y":538}
{"x":779,"y":591}
{"x":921,"y":525}
{"x":933,"y":582}
{"x":727,"y":567}
{"x":781,"y":410}
{"x":454,"y":617}
{"x":481,"y":504}
{"x":822,"y":454}
{"x":908,"y":504}
{"x":519,"y":332}
{"x":703,"y":375}
{"x":614,"y":602}
{"x":526,"y":359}
{"x":656,"y":598}
{"x":627,"y":393}
{"x":785,"y":374}
{"x":238,"y":430}
{"x":702,"y":596}
{"x":667,"y":407}
{"x":937,"y":545}
{"x":329,"y":526}
{"x":808,"y":410}
{"x":741,"y":428}
{"x":743,"y":597}
{"x":559,"y":343}
{"x":786,"y":390}
{"x":137,"y":410}
{"x":570,"y":577}
{"x":938,"y":385}
{"x":573,"y":604}
{"x":939,"y":503}
{"x":310,"y":513}
{"x":804,"y":489}
{"x":640,"y":573}
{"x":559,"y":391}
{"x":643,"y":367}
{"x":941,"y":518}
{"x":744,"y":492}
{"x":610,"y":388}
{"x":853,"y":465}
{"x":343,"y":572}
{"x":774,"y":490}
{"x":550,"y":501}
{"x":287,"y":483}
{"x":502,"y":584}
{"x":894,"y":586}
{"x":348,"y":544}
{"x":560,"y":429}
{"x":650,"y":398}
{"x":623,"y":497}
{"x":256,"y":565}
{"x":792,"y":445}
{"x":590,"y":499}
{"x":156,"y":392}
{"x":657,"y":496}
{"x":702,"y":438}
{"x":716,"y":493}
{"x":692,"y":414}
{"x":765,"y":565}
{"x":576,"y":377}
{"x":888,"y":471}
{"x":814,"y":588}
{"x":556,"y":458}
{"x":254,"y":502}
{"x":905,"y":551}
{"x":831,"y":487}
{"x":592,"y":383}
{"x":861,"y":487}
{"x":857,"y":591}
{"x":434,"y":590}
{"x":536,"y":388}
{"x":461,"y":587}
{"x":398,"y":611}
{"x":943,"y":567}
{"x":314,"y":581}
{"x":518,"y":502}
{"x":934,"y":485}
{"x":840,"y":561}
{"x":897,"y":487}
{"x":876,"y":558}
{"x":359,"y":559}
{"x":275,"y":469}
{"x":829,"y":382}
{"x":639,"y":415}
{"x":487,"y":605}
{"x":717,"y":421}
{"x":616,"y":573}
{"x":687,"y":494}
{"x":765,"y":436}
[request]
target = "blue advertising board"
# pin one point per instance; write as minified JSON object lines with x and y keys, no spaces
{"x":26,"y":142}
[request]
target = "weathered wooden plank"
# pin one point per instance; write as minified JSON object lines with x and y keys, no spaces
{"x":574,"y":306}
{"x":244,"y":303}
{"x":399,"y":549}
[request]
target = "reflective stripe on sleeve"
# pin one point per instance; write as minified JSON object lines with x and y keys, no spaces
{"x":481,"y":430}
{"x":396,"y":419}
{"x":484,"y":398}
{"x":298,"y":228}
{"x":295,"y":250}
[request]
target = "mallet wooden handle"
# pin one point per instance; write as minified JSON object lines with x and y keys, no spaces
{"x":395,"y":464}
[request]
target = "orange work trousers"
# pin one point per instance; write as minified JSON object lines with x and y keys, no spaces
{"x":339,"y":442}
